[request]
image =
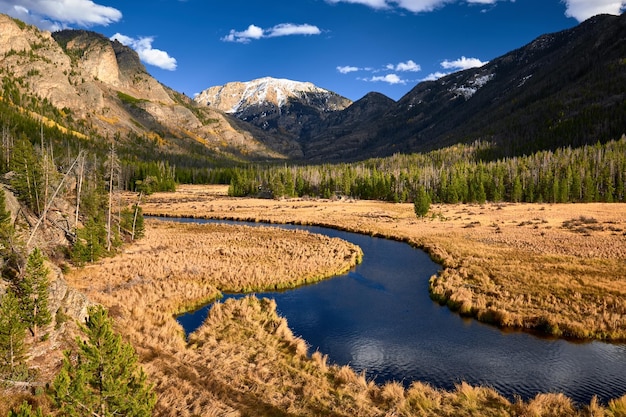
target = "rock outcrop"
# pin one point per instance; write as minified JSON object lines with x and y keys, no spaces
{"x":278,"y":106}
{"x":103,"y":85}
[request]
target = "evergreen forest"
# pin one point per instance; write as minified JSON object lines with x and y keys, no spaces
{"x":457,"y":174}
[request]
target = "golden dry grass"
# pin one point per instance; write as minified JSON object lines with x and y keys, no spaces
{"x":12,"y":400}
{"x":554,"y":268}
{"x":179,"y":266}
{"x":245,"y":360}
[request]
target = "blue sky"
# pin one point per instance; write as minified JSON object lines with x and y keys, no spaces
{"x":351,"y":47}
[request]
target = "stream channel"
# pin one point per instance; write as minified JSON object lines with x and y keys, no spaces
{"x":378,"y":318}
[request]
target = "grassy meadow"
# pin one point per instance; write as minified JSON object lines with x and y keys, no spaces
{"x":177,"y":267}
{"x":510,"y":264}
{"x":555,"y":268}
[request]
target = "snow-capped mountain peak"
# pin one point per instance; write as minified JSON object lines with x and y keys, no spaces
{"x":235,"y":97}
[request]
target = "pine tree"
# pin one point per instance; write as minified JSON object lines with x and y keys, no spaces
{"x":516,"y":193}
{"x":132,"y":225}
{"x":25,"y":410}
{"x":13,"y":351}
{"x":28,"y":180}
{"x":90,"y":244}
{"x":421,"y":204}
{"x":32,"y":290}
{"x":102,"y":378}
{"x":481,"y":195}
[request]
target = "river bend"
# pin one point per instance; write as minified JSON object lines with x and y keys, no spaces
{"x":378,"y":318}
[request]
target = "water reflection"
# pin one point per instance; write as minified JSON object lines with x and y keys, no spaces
{"x":379,"y":319}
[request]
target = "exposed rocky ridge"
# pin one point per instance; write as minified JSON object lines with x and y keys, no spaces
{"x":49,"y":239}
{"x":234,"y":97}
{"x":562,"y":89}
{"x":67,"y":305}
{"x":103,"y":84}
{"x":286,"y":108}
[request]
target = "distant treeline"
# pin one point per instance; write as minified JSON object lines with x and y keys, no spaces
{"x":595,"y":173}
{"x":460,"y":173}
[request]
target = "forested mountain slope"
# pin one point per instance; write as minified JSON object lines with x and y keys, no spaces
{"x":562,"y":89}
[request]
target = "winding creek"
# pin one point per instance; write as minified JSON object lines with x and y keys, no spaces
{"x":378,"y":318}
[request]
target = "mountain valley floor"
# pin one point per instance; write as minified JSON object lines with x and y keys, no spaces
{"x":556,"y":269}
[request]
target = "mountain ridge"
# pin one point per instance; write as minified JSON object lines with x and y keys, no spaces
{"x":100,"y":89}
{"x":561,"y":89}
{"x":284,"y":108}
{"x":233,"y":96}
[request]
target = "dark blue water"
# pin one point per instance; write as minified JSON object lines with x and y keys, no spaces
{"x":380,"y":319}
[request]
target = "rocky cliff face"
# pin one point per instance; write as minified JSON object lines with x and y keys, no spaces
{"x":68,"y":306}
{"x":103,"y":84}
{"x":236,"y":97}
{"x":277,"y":106}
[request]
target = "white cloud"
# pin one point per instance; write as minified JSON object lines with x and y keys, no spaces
{"x":58,"y":14}
{"x":409,"y":66}
{"x":578,"y":9}
{"x":284,"y":29}
{"x":389,"y":79}
{"x":435,"y":76}
{"x":347,"y":69}
{"x":411,"y":5}
{"x":415,"y":6}
{"x":584,"y":9}
{"x":288,"y":29}
{"x":149,"y":55}
{"x":374,"y":4}
{"x":253,"y":32}
{"x":462,"y":63}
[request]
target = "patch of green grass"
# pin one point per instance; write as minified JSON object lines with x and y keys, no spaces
{"x":128,"y":99}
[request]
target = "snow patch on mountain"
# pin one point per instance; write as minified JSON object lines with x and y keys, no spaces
{"x":523,"y":81}
{"x":235,"y":96}
{"x":467,"y":91}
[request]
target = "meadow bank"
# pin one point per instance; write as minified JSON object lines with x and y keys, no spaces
{"x":244,"y":360}
{"x":554,"y":268}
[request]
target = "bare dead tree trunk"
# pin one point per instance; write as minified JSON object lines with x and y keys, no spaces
{"x":132,"y":236}
{"x":30,"y":192}
{"x":46,"y":169}
{"x":114,"y":166}
{"x":7,"y":144}
{"x":110,"y":209}
{"x":79,"y":187}
{"x":45,"y":211}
